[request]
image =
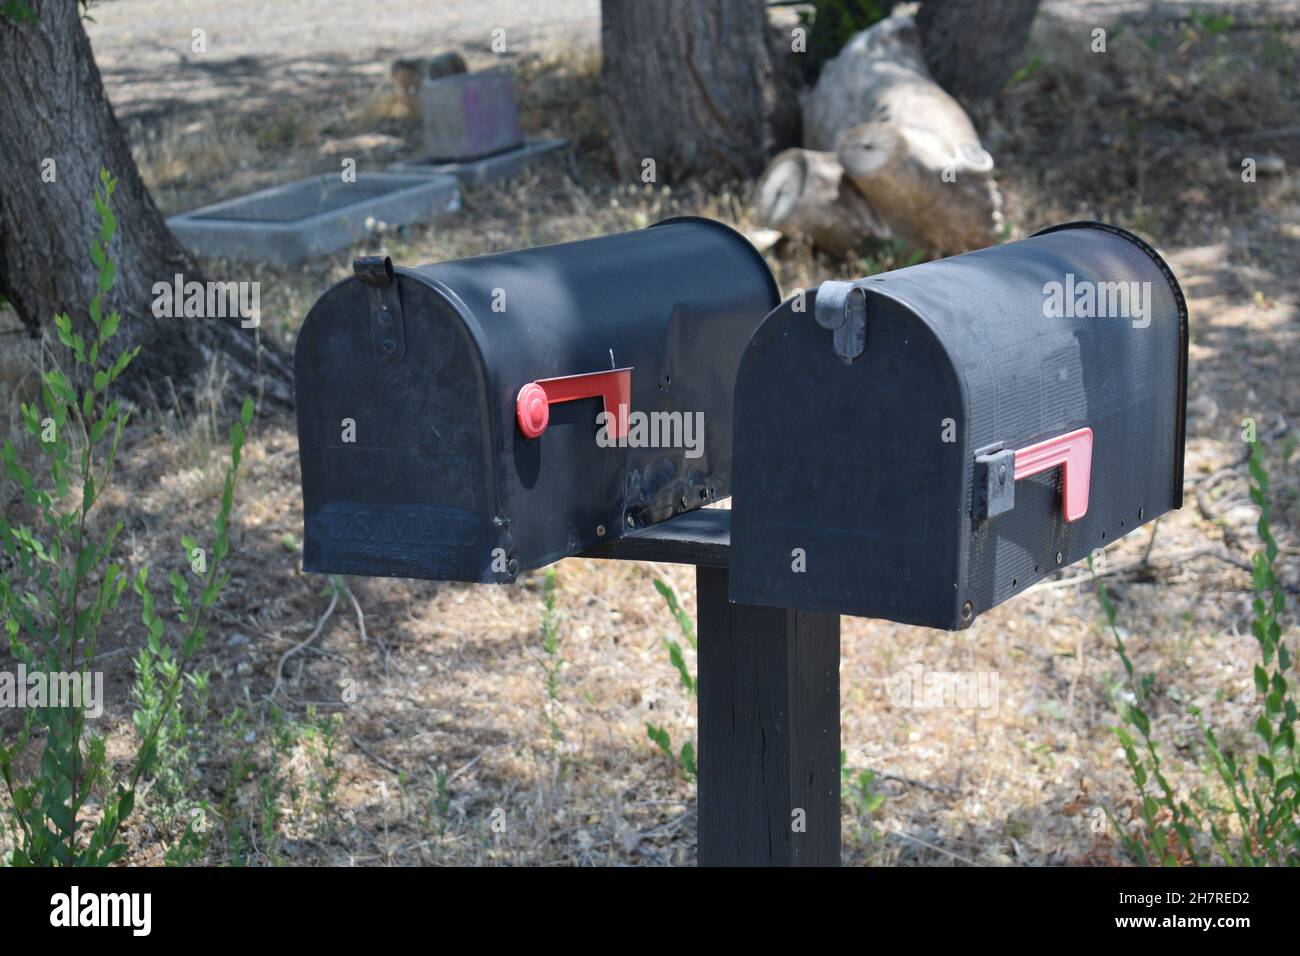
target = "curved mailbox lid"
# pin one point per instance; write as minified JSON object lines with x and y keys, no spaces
{"x":642,"y":300}
{"x":1113,"y":333}
{"x":673,"y":305}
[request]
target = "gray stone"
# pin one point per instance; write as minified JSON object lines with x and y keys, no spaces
{"x":470,"y":115}
{"x":312,"y":217}
{"x":489,"y":168}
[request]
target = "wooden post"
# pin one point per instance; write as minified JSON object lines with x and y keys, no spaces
{"x":769,"y":732}
{"x":769,"y":728}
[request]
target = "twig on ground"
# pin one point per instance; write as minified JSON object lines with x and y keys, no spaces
{"x":361,"y":624}
{"x":470,"y":764}
{"x":320,"y":626}
{"x":1144,"y":566}
{"x":931,"y":846}
{"x":932,"y":787}
{"x":1151,"y":542}
{"x":667,"y":828}
{"x":231,"y":618}
{"x":374,"y":756}
{"x":1079,"y":664}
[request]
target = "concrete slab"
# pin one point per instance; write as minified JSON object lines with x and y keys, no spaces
{"x":313,"y":217}
{"x":489,"y":168}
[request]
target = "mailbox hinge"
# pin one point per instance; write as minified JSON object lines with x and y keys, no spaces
{"x":995,"y":481}
{"x":387,"y":328}
{"x":842,"y":308}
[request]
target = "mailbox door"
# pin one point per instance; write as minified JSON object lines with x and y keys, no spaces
{"x":846,"y":497}
{"x":392,"y":484}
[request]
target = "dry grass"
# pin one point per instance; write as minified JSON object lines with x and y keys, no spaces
{"x":1152,"y":130}
{"x":1143,"y":141}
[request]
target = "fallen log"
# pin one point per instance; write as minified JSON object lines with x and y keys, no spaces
{"x":908,"y":147}
{"x":805,"y":194}
{"x":930,"y":201}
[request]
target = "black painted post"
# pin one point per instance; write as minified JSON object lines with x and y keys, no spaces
{"x":769,"y":681}
{"x":769,"y":732}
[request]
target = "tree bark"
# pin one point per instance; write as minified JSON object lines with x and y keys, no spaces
{"x":972,"y":46}
{"x":53,"y":107}
{"x":690,"y":85}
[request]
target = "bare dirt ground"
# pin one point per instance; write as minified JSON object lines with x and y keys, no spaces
{"x":277,"y":51}
{"x":444,"y":713}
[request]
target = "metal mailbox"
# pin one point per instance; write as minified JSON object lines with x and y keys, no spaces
{"x":921,"y":445}
{"x":448,"y":414}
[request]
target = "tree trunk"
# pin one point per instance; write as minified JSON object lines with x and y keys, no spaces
{"x":972,"y":46}
{"x":56,"y":124}
{"x":689,"y":84}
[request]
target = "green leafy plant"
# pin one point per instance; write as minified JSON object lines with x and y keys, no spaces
{"x":440,"y":804}
{"x":276,"y":786}
{"x":17,"y":11}
{"x":1245,"y":812}
{"x":1215,"y":25}
{"x":235,"y":733}
{"x":62,"y":584}
{"x":551,"y":645}
{"x":268,"y":786}
{"x":885,"y":255}
{"x":860,"y":788}
{"x":244,"y":827}
{"x":192,"y":845}
{"x":831,"y":24}
{"x":181,"y":745}
{"x":322,"y":739}
{"x":1163,"y":837}
{"x":859,"y":792}
{"x":1023,"y":73}
{"x":21,"y":11}
{"x":660,"y":736}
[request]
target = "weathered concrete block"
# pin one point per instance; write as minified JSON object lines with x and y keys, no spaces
{"x":489,"y":168}
{"x":312,"y":217}
{"x":470,"y":115}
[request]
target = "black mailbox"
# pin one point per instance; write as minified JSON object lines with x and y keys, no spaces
{"x":448,"y":414}
{"x":921,"y":445}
